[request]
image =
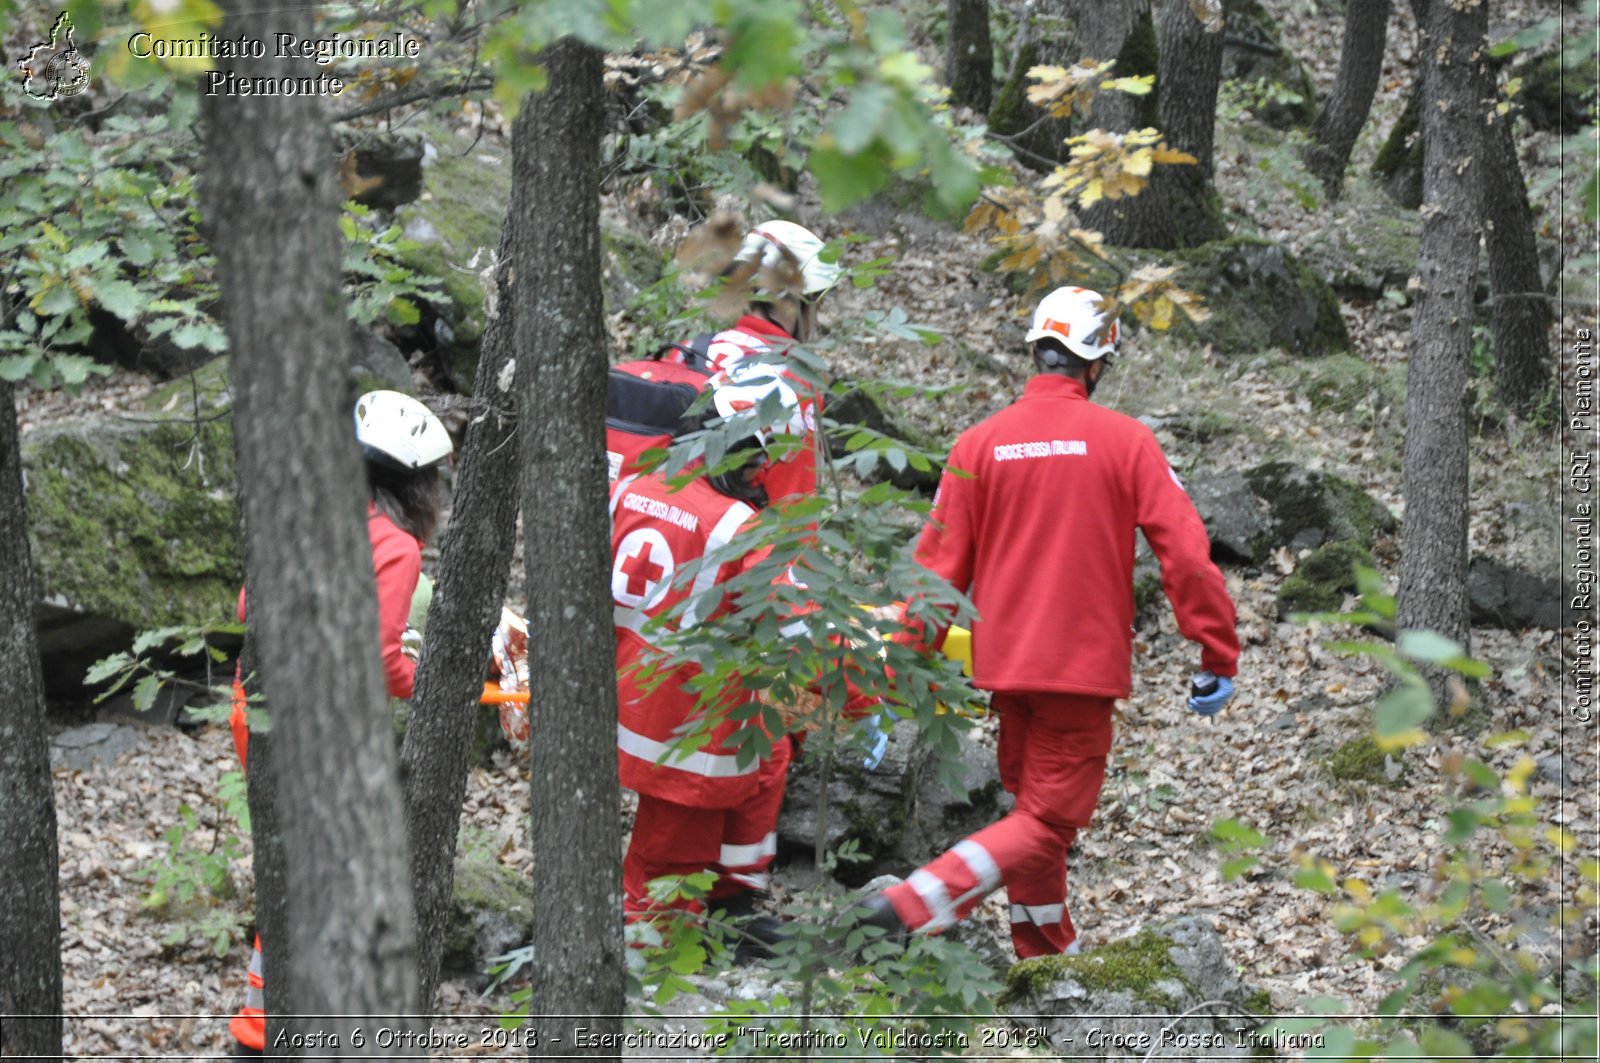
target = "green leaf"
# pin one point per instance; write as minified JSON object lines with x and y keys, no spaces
{"x":120,"y":298}
{"x":402,"y":312}
{"x":1232,"y":869}
{"x":15,"y":367}
{"x":1439,"y":1042}
{"x":1428,"y":646}
{"x":856,"y":127}
{"x":1313,"y":878}
{"x":1232,"y":834}
{"x":843,"y":179}
{"x":145,"y":691}
{"x":1591,"y":197}
{"x":106,"y":667}
{"x":1402,"y":709}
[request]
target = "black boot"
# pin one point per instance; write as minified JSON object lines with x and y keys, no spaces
{"x":881,"y":914}
{"x":756,"y":934}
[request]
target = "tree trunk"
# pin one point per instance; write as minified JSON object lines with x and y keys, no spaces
{"x":273,"y":201}
{"x":1191,"y":73}
{"x":1038,"y":139}
{"x":1521,"y":316}
{"x":1399,"y":161}
{"x":578,"y":964}
{"x":1148,"y":219}
{"x":267,"y":859}
{"x":1334,"y":133}
{"x":1121,"y":30}
{"x":30,"y":909}
{"x":1433,"y":561}
{"x":969,"y":55}
{"x":474,"y":565}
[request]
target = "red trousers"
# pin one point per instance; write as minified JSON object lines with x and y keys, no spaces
{"x":1053,"y":758}
{"x":672,"y":840}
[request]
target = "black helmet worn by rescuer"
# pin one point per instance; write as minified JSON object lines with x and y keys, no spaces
{"x":755,"y":405}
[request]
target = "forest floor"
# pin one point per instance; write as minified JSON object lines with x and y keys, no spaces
{"x":1264,"y":761}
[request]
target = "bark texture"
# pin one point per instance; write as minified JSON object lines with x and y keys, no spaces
{"x":1191,"y":73}
{"x":1339,"y":123}
{"x":578,"y":964}
{"x":474,"y":565}
{"x":1522,"y":313}
{"x":1104,"y":31}
{"x":969,"y":55}
{"x":273,"y":200}
{"x":1433,"y":552}
{"x":267,"y":859}
{"x":1043,"y":38}
{"x":30,"y":907}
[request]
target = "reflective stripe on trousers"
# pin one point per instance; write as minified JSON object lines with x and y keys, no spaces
{"x":249,"y":1027}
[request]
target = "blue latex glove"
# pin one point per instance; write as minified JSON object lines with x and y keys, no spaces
{"x":1208,"y":693}
{"x":873,"y":725}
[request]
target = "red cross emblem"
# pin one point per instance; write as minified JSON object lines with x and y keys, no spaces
{"x":641,"y":572}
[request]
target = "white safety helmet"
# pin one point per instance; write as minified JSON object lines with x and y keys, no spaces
{"x":397,"y":430}
{"x":771,"y":238}
{"x":757,"y":394}
{"x":1073,"y":317}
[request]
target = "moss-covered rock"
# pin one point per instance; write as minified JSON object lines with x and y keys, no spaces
{"x":1260,"y":296}
{"x":1360,"y":760}
{"x":457,"y":222}
{"x":135,"y":522}
{"x":492,"y":912}
{"x":1308,"y":509}
{"x":1323,"y":578}
{"x":1141,"y":965}
{"x":1116,"y":999}
{"x":459,"y":214}
{"x":1366,"y":246}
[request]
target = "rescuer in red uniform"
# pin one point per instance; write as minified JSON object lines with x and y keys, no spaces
{"x":404,"y":444}
{"x":782,"y":264}
{"x":1034,"y":520}
{"x":702,"y":810}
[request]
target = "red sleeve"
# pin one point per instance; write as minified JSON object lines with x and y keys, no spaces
{"x":1194,"y":585}
{"x":948,"y":544}
{"x":396,"y":565}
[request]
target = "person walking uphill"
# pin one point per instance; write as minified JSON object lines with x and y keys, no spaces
{"x":404,"y":444}
{"x":1035,"y":520}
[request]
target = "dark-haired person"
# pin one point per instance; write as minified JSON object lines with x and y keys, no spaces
{"x":1035,"y":519}
{"x":403,"y":444}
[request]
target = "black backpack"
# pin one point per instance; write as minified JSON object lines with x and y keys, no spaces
{"x":646,"y":401}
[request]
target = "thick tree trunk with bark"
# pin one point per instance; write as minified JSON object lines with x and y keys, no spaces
{"x":578,"y":960}
{"x":1037,"y":138}
{"x":1521,"y":315}
{"x":1338,"y":124}
{"x":267,"y":859}
{"x":1433,"y":552}
{"x":30,"y":908}
{"x":474,"y":565}
{"x":969,"y":55}
{"x":1119,"y":30}
{"x":1179,"y":207}
{"x":1191,"y":73}
{"x":273,"y":202}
